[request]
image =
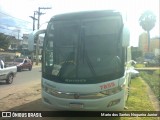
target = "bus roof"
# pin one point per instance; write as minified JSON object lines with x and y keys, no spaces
{"x":86,"y":14}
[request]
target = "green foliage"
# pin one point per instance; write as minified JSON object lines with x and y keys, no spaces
{"x":4,"y":41}
{"x":157,"y":72}
{"x":136,"y":54}
{"x":139,"y":65}
{"x":147,"y":20}
{"x":138,"y":98}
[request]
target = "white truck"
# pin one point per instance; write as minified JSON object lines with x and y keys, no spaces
{"x":7,"y":73}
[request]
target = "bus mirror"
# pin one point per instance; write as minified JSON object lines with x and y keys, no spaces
{"x":32,"y":37}
{"x":31,"y":42}
{"x":125,"y":36}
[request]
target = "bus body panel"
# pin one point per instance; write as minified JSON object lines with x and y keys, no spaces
{"x":84,"y":48}
{"x":83,"y":88}
{"x":110,"y":102}
{"x":88,"y":105}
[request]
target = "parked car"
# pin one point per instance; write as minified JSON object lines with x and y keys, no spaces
{"x":8,"y":73}
{"x":23,"y":63}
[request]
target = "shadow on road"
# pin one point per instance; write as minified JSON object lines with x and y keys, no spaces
{"x":37,"y":105}
{"x":3,"y":82}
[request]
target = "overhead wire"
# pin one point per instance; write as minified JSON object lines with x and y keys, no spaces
{"x":14,"y":17}
{"x":7,"y":25}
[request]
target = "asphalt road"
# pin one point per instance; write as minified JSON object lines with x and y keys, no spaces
{"x":23,"y":78}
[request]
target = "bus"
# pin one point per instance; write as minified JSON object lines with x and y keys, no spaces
{"x":86,"y":61}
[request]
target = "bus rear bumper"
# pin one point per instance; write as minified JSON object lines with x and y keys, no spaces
{"x":114,"y":102}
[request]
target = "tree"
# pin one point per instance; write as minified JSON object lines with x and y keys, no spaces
{"x":5,"y":41}
{"x":147,"y":21}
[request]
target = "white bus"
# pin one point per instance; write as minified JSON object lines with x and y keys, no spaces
{"x":86,"y":62}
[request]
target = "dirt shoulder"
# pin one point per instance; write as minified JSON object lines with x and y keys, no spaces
{"x":18,"y":96}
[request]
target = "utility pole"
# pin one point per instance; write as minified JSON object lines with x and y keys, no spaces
{"x":34,"y":18}
{"x":38,"y":25}
{"x":40,"y":13}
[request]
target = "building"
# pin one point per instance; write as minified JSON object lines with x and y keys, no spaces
{"x":14,"y":44}
{"x":24,"y":42}
{"x":143,"y":42}
{"x":154,"y":44}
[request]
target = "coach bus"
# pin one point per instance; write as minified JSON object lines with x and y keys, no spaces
{"x":86,"y":61}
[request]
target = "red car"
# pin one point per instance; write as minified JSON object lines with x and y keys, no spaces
{"x":23,"y":63}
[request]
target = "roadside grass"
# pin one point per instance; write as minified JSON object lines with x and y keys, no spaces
{"x":139,"y":100}
{"x":153,"y":80}
{"x":138,"y":96}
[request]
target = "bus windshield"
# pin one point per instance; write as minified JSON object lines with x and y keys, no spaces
{"x":83,"y":51}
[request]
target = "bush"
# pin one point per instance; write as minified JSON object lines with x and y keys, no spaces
{"x":139,"y":65}
{"x":157,"y":72}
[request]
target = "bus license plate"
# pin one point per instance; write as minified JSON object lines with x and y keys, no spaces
{"x":76,"y":105}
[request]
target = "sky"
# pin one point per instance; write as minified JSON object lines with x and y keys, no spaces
{"x":15,"y":20}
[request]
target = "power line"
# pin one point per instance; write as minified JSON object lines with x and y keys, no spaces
{"x":21,"y":27}
{"x":13,"y":26}
{"x":14,"y":17}
{"x":15,"y":31}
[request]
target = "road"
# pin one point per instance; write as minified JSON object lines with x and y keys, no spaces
{"x":23,"y":78}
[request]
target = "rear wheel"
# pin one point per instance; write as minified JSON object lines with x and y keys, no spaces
{"x":10,"y":79}
{"x":20,"y":69}
{"x":30,"y":68}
